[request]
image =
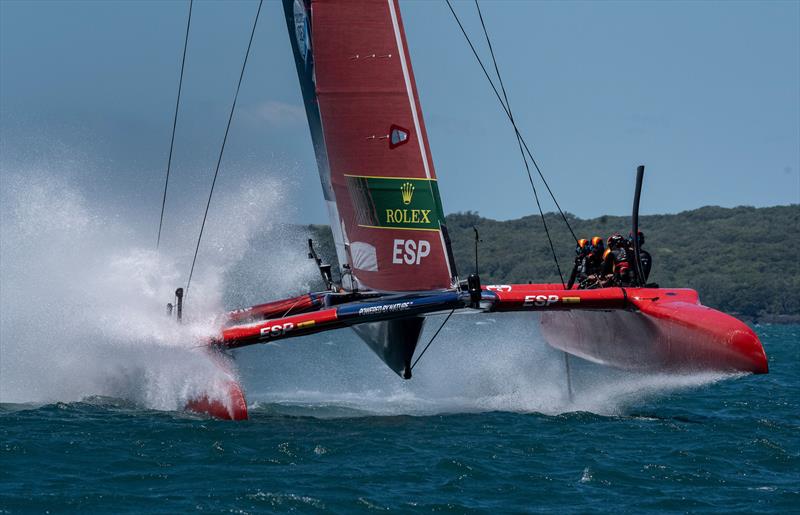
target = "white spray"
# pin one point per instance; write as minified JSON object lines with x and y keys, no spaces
{"x":82,"y":307}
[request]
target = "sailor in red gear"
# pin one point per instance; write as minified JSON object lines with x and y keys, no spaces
{"x":616,"y":262}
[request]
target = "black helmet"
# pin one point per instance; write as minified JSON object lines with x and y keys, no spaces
{"x":616,"y":241}
{"x":641,"y":238}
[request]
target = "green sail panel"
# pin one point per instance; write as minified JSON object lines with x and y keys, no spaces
{"x":396,"y":202}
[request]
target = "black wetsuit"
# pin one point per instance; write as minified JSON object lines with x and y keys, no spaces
{"x":594,"y":264}
{"x":592,"y":271}
{"x":578,"y":270}
{"x":646,"y":260}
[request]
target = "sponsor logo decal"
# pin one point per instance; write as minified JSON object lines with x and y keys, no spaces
{"x":270,"y":331}
{"x":499,"y":287}
{"x":308,"y":323}
{"x":539,"y":301}
{"x":385,"y":308}
{"x":571,"y":300}
{"x":407,"y":191}
{"x":408,"y":216}
{"x":395,"y":203}
{"x":410,"y":252}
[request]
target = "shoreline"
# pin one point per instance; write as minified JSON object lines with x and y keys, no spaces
{"x":768,"y":319}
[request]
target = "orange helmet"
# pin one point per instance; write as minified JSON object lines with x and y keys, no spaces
{"x":582,"y":246}
{"x":598,"y":246}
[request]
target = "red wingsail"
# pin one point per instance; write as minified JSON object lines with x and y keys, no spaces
{"x":377,"y":170}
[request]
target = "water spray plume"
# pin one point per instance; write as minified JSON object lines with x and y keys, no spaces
{"x":83,"y":304}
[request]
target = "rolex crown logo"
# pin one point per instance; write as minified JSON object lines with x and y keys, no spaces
{"x":407,"y":189}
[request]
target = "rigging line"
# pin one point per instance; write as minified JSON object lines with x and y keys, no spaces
{"x":519,"y":143}
{"x":222,"y":149}
{"x":291,"y":308}
{"x":508,"y":114}
{"x":433,"y":338}
{"x":546,"y":185}
{"x":174,"y":124}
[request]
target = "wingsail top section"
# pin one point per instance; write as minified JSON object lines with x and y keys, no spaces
{"x":370,"y":143}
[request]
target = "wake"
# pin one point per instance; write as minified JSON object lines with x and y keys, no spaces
{"x":479,"y":363}
{"x":83,"y":316}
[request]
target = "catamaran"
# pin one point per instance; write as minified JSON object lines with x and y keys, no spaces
{"x":396,"y":265}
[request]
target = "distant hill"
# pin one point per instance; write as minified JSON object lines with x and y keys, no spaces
{"x":742,"y":260}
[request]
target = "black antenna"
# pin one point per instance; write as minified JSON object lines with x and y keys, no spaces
{"x":474,"y":280}
{"x":179,"y":303}
{"x":477,"y":240}
{"x":637,"y":261}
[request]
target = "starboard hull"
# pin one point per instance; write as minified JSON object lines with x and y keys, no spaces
{"x":659,"y":334}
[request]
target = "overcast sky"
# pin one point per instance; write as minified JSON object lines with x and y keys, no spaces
{"x":706,"y":94}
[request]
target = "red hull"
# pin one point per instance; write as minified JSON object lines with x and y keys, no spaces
{"x":233,"y":407}
{"x":229,"y":404}
{"x":665,"y":329}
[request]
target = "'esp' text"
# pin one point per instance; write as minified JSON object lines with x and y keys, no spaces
{"x":270,"y":331}
{"x":410,"y":252}
{"x":539,"y":300}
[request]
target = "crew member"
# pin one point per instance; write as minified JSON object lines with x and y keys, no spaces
{"x":645,"y":258}
{"x":596,"y":257}
{"x":579,"y":268}
{"x":616,"y":262}
{"x":594,"y":264}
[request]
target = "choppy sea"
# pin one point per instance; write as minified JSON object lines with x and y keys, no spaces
{"x":93,"y":377}
{"x":634,"y":443}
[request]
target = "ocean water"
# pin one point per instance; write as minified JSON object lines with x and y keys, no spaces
{"x":93,"y":378}
{"x":708,"y":444}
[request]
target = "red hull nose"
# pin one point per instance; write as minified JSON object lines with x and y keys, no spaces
{"x":232,"y":407}
{"x":748,"y":347}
